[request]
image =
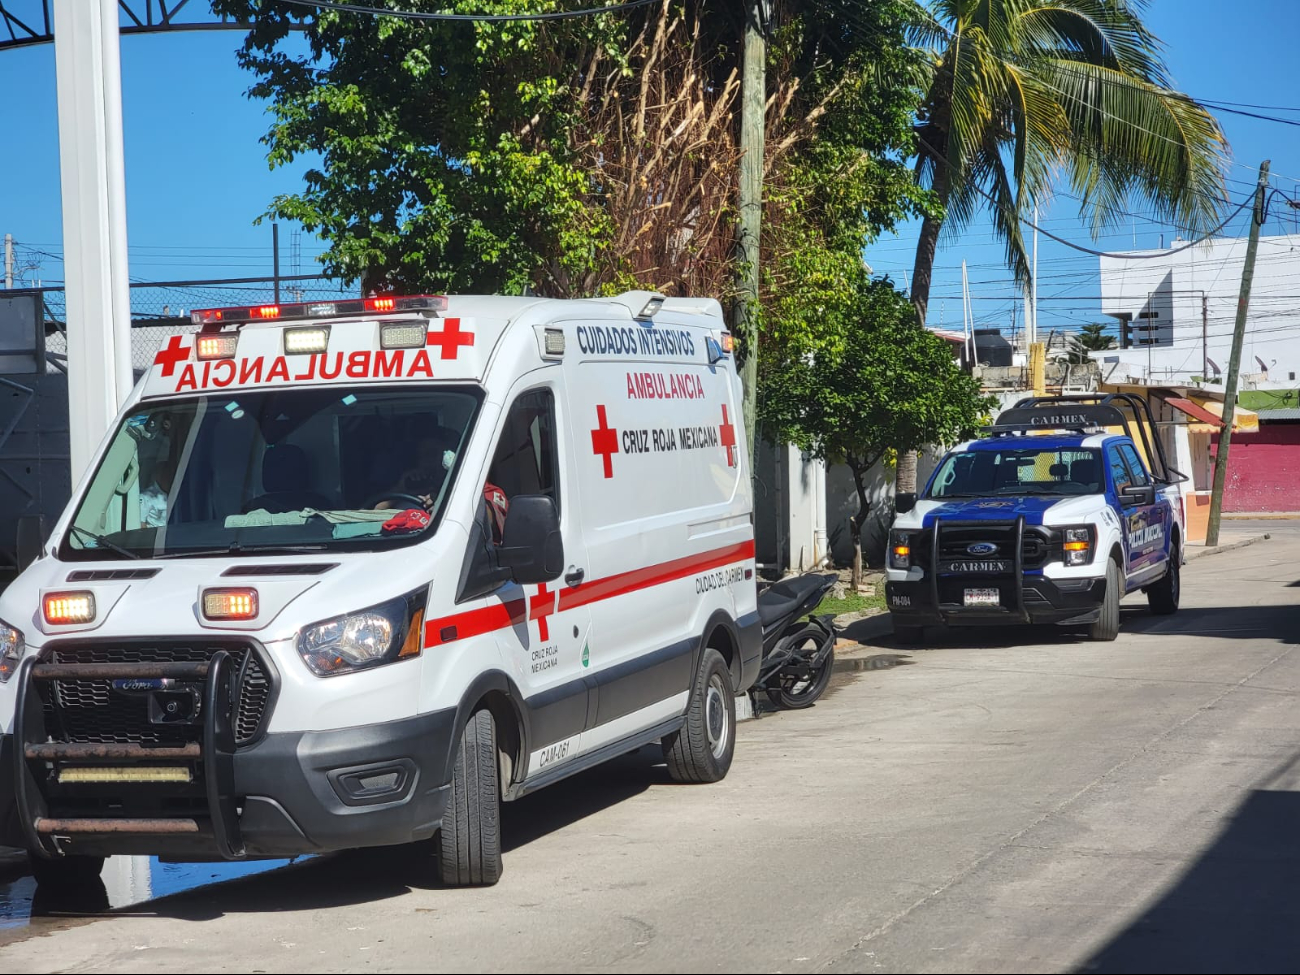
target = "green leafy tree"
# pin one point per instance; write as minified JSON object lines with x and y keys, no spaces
{"x":888,"y":386}
{"x":1094,"y":337}
{"x":1022,"y":90}
{"x":444,"y":151}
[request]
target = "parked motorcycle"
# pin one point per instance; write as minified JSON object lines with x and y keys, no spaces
{"x":798,"y":653}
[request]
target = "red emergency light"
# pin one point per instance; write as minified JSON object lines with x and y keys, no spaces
{"x":319,"y":309}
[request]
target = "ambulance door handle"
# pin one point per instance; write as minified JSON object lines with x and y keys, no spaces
{"x":574,"y":576}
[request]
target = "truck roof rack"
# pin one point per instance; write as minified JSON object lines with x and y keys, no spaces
{"x":1090,"y":413}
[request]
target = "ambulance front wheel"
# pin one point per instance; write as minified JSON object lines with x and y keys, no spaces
{"x":467,"y":848}
{"x":702,"y":750}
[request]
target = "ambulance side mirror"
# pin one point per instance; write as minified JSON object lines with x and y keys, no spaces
{"x":531,"y":546}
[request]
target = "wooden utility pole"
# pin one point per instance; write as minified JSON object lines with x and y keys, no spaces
{"x":753,"y":105}
{"x":1234,"y":363}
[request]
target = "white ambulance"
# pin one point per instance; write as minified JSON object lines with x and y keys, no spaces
{"x":351,"y":573}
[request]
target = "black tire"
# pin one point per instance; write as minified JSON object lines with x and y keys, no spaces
{"x":1164,"y":595}
{"x":796,"y":691}
{"x":1107,"y":626}
{"x":467,"y":848}
{"x":908,"y":636}
{"x":702,"y":750}
{"x":65,"y":873}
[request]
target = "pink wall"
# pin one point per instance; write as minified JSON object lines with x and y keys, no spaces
{"x":1264,"y":469}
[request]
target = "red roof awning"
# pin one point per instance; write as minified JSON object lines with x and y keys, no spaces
{"x":1195,"y":412}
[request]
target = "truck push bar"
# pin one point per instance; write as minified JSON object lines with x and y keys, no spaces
{"x":1089,"y":413}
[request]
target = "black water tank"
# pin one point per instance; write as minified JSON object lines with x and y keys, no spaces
{"x":991,"y":349}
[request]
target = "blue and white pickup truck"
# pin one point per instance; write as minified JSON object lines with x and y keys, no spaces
{"x":1048,"y":519}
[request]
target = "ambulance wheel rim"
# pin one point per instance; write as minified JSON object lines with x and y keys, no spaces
{"x":716,"y":725}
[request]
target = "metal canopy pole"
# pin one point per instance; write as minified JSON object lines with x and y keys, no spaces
{"x":87,"y":61}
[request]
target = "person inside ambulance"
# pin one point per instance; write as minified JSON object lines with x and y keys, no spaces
{"x":435,"y":454}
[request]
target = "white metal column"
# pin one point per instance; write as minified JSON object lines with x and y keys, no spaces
{"x":87,"y":61}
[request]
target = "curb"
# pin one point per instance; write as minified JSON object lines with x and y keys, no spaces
{"x":1240,"y":543}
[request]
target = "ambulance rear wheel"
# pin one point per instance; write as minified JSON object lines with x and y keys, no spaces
{"x":1164,"y":595}
{"x":65,"y":873}
{"x":1107,"y":626}
{"x":467,"y":848}
{"x":702,"y":750}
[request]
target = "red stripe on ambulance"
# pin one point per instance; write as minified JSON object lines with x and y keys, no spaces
{"x":497,"y":616}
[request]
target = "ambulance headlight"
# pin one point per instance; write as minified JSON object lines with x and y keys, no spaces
{"x":370,"y":637}
{"x":12,"y":645}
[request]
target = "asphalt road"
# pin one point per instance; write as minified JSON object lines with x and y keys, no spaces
{"x":985,"y":806}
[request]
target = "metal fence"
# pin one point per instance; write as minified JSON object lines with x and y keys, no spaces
{"x":161,"y":309}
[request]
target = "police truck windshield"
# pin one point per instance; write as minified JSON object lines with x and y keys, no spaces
{"x":277,"y":470}
{"x":1019,"y":470}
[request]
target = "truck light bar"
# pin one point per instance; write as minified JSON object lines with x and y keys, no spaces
{"x":319,"y":309}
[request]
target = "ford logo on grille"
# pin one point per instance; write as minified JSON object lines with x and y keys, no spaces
{"x":981,"y":548}
{"x":140,"y":685}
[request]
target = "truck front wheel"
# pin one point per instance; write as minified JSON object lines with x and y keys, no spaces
{"x":1107,"y":625}
{"x":1164,"y":595}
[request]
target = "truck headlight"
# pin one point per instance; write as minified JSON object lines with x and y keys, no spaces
{"x":367,"y":638}
{"x":900,"y":550}
{"x":12,"y":646}
{"x":1078,"y":546}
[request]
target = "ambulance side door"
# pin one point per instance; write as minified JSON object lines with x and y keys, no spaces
{"x":534,"y":454}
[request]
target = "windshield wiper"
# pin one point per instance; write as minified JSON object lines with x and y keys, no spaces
{"x":101,"y":540}
{"x":235,"y":548}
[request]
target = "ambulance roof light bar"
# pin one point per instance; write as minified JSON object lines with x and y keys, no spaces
{"x":380,"y":304}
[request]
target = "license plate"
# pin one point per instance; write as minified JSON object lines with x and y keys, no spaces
{"x":982,"y":597}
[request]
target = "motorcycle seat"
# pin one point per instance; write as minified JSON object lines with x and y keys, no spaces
{"x":784,"y":598}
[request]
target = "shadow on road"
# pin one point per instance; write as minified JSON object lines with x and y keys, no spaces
{"x":1237,"y":909}
{"x":1219,"y":622}
{"x":364,"y":876}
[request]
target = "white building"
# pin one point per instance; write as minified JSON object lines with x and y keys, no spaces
{"x":1177,"y":308}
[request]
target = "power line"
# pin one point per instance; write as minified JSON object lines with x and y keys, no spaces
{"x":354,"y":8}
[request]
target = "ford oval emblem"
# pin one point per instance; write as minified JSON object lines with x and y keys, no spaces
{"x":139,"y":685}
{"x":981,"y":548}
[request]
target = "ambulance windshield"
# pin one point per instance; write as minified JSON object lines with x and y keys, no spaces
{"x":284,"y":470}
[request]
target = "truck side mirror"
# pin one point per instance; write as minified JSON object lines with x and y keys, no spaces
{"x":531,"y":545}
{"x":1139,"y":494}
{"x":905,"y":502}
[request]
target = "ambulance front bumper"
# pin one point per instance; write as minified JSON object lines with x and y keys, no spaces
{"x":283,"y":795}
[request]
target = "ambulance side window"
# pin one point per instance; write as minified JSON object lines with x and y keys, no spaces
{"x":525,"y":462}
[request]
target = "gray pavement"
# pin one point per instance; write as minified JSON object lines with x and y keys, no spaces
{"x":985,"y":805}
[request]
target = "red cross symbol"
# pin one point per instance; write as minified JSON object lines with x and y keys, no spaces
{"x":728,"y":433}
{"x":539,"y":607}
{"x":451,"y":338}
{"x":171,"y":355}
{"x":604,"y":441}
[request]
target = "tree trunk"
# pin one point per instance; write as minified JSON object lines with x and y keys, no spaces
{"x":905,"y":481}
{"x":858,"y":521}
{"x":927,"y":244}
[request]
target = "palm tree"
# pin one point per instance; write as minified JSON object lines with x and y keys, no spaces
{"x":1024,"y":91}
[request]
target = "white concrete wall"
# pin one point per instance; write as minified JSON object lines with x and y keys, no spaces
{"x":1171,"y":286}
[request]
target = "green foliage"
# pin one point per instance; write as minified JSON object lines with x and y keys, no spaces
{"x":445,"y":157}
{"x":1094,"y":337}
{"x":890,"y":385}
{"x":1024,"y":90}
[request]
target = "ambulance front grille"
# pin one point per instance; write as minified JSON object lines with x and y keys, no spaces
{"x":91,"y":711}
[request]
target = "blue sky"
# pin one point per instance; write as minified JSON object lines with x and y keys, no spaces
{"x":197,"y":175}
